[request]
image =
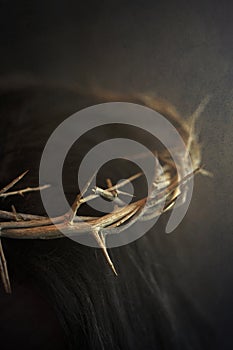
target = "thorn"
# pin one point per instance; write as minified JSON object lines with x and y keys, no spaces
{"x":199,"y":110}
{"x":192,"y":120}
{"x":102,"y":245}
{"x":79,"y":200}
{"x":17,"y":216}
{"x":109,"y":185}
{"x":125,"y":182}
{"x":206,"y":172}
{"x":84,"y":190}
{"x":13,"y":182}
{"x":126,"y":193}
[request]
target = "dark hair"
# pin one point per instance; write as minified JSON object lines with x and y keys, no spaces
{"x":143,"y":307}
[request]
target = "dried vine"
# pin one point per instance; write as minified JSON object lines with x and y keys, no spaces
{"x":166,"y":187}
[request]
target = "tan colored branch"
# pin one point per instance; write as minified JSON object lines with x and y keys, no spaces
{"x":166,"y":188}
{"x":12,"y":183}
{"x":4,"y":271}
{"x":25,"y":190}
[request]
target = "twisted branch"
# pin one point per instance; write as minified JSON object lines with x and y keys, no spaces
{"x":166,"y":188}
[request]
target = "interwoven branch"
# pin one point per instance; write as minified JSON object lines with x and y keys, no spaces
{"x":28,"y":226}
{"x":167,"y":186}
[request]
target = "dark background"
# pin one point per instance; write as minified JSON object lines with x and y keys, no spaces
{"x":180,"y":51}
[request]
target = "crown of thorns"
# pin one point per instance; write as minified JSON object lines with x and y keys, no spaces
{"x":166,"y":188}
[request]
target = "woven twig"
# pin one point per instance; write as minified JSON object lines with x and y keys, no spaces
{"x":166,"y":188}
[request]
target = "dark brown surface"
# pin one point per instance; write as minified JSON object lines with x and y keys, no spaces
{"x":179,"y":51}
